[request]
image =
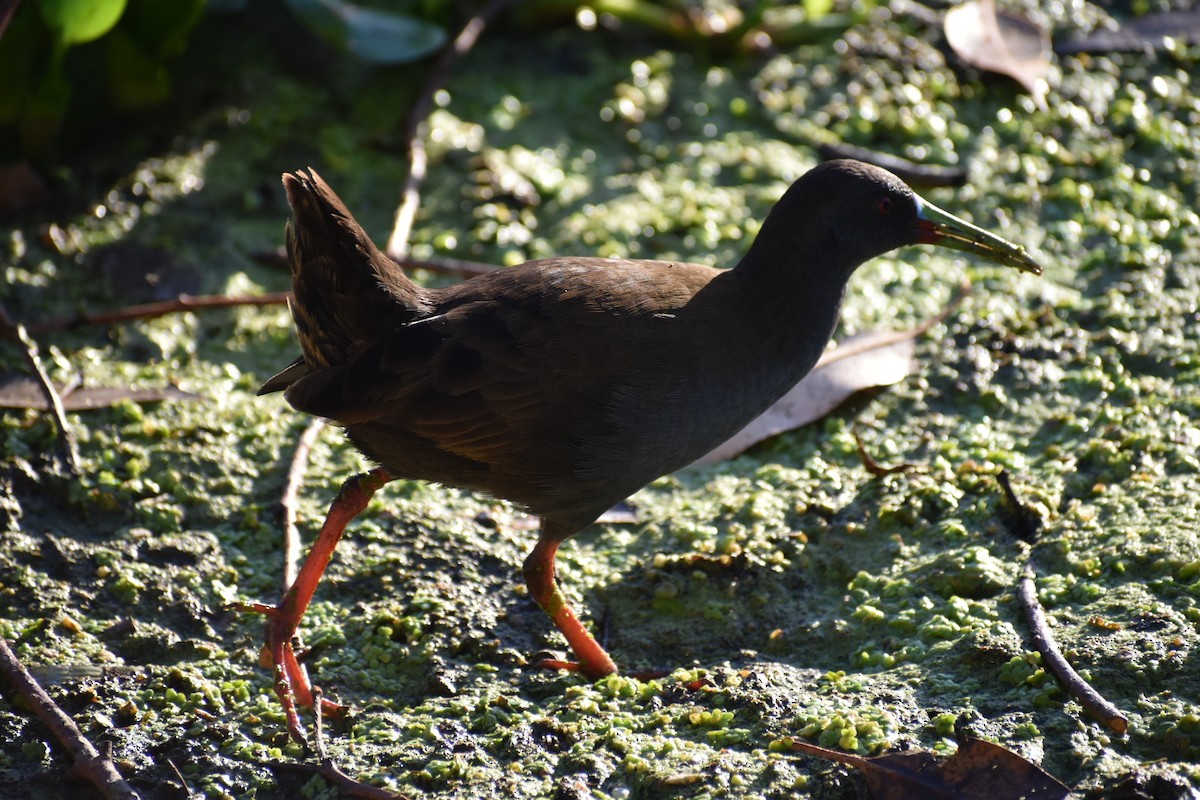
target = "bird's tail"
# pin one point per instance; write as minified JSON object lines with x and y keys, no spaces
{"x":346,"y":293}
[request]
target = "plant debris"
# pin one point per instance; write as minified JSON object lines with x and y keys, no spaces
{"x":1003,"y":42}
{"x":979,"y":770}
{"x":19,"y":391}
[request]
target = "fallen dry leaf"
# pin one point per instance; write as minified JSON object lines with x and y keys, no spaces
{"x":620,"y":514}
{"x":861,"y":362}
{"x":19,"y":391}
{"x":979,"y":770}
{"x":1001,"y":41}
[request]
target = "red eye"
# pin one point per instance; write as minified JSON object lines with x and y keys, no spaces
{"x":884,"y":207}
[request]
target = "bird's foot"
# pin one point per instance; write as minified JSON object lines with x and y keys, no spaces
{"x":292,"y":685}
{"x":555,"y":663}
{"x":596,"y":674}
{"x":592,"y":670}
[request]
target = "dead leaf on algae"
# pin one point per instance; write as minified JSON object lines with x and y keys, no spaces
{"x":979,"y":770}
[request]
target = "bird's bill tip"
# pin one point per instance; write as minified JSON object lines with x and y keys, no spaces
{"x":935,"y":226}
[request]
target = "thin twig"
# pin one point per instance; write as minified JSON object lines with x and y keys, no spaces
{"x":1021,"y":520}
{"x":410,"y":197}
{"x":911,"y":172}
{"x":348,"y":786}
{"x":418,"y":120}
{"x":1043,"y":641}
{"x":327,"y":769}
{"x":447,"y":266}
{"x":17,"y":331}
{"x":89,"y":763}
{"x":457,"y":267}
{"x":319,"y":726}
{"x":871,"y":465}
{"x":6,"y":15}
{"x":291,"y":534}
{"x":183,"y":302}
{"x":179,"y":777}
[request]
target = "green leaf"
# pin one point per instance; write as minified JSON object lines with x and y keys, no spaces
{"x":135,"y":80}
{"x":379,"y":37}
{"x":79,"y":21}
{"x":18,"y":47}
{"x":43,"y":116}
{"x":159,"y":28}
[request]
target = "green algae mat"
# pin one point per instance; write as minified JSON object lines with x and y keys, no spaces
{"x":795,"y":593}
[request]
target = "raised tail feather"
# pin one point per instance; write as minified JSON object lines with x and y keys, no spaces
{"x":346,"y":293}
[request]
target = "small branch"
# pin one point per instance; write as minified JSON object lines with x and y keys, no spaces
{"x":1043,"y":641}
{"x":1021,"y":520}
{"x":319,"y":728}
{"x":447,"y":266}
{"x":456,"y":267}
{"x":871,"y":465}
{"x":418,"y":120}
{"x":347,"y":785}
{"x":291,"y":534}
{"x":6,"y":15}
{"x":911,"y":172}
{"x":183,"y":302}
{"x":89,"y":763}
{"x":410,"y":195}
{"x":17,"y":332}
{"x":183,"y":784}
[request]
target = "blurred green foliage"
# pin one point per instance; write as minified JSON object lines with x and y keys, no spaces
{"x":373,"y":35}
{"x":64,"y":59}
{"x":65,"y":62}
{"x":55,"y":49}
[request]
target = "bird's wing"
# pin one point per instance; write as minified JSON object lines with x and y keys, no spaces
{"x":517,"y":366}
{"x":463,"y":380}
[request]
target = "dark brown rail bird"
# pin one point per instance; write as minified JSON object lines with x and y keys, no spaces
{"x":565,"y":385}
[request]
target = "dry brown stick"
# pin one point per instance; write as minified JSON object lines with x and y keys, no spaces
{"x":1024,"y":523}
{"x":442,"y":265}
{"x":6,"y":15}
{"x":410,"y":192}
{"x":183,"y":784}
{"x":447,"y":266}
{"x":344,"y":783}
{"x":183,"y":302}
{"x":89,"y":763}
{"x":1021,"y":521}
{"x":327,"y":769}
{"x":291,"y":534}
{"x":410,"y":198}
{"x":17,"y":331}
{"x":870,"y":464}
{"x":911,"y":172}
{"x":1043,"y":641}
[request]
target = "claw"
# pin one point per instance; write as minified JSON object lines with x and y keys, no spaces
{"x":292,"y":684}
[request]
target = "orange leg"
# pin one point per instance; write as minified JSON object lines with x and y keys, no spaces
{"x":593,"y":662}
{"x":292,"y":684}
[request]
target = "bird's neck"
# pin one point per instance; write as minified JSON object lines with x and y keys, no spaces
{"x":798,"y":282}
